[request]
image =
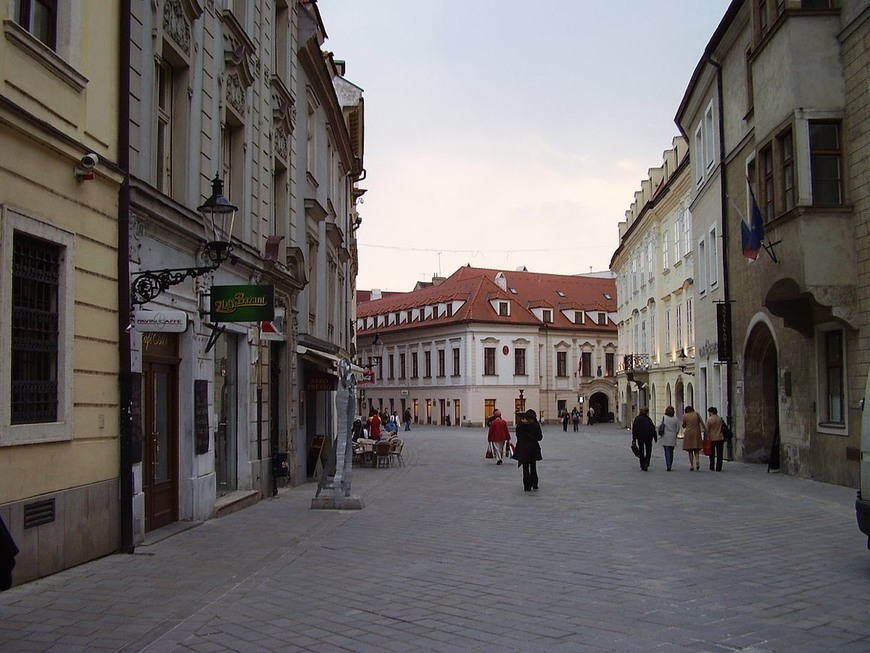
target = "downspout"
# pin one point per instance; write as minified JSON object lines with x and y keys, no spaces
{"x":124,"y":349}
{"x":726,"y":294}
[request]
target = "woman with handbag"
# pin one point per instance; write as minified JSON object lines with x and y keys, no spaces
{"x":528,"y":450}
{"x":693,"y":427}
{"x":668,"y":429}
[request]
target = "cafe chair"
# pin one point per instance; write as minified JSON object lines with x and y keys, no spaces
{"x":382,"y":451}
{"x":397,"y":444}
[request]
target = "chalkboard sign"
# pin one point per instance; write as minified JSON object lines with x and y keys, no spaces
{"x":200,"y":415}
{"x":314,"y":454}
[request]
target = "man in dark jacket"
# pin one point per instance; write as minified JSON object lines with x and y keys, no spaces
{"x":643,"y":432}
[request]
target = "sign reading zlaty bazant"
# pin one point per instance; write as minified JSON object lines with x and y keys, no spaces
{"x":242,"y":303}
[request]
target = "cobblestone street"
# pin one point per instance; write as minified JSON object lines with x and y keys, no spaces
{"x":449,"y":554}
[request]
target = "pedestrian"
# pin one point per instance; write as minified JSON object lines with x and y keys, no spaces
{"x":407,"y":419}
{"x":716,"y":435}
{"x":643,"y":432}
{"x":565,"y":421}
{"x":374,"y":424}
{"x":528,"y":449}
{"x":668,"y":429}
{"x":498,"y":435}
{"x":693,"y":426}
{"x":575,"y":419}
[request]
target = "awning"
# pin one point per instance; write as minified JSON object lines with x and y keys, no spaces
{"x":323,"y":357}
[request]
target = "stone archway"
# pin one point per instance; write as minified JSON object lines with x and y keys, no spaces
{"x":601,"y":403}
{"x":760,"y":395}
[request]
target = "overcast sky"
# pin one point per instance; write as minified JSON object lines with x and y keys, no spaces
{"x":508,"y":133}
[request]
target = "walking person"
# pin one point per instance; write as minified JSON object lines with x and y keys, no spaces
{"x":528,"y":449}
{"x":407,"y":419}
{"x":716,"y":435}
{"x":565,"y":421}
{"x":575,"y":419}
{"x":668,"y":429}
{"x":643,"y":432}
{"x":498,"y":435}
{"x":693,"y":426}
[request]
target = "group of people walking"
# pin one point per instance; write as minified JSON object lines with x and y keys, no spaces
{"x":694,"y":429}
{"x":527,"y":451}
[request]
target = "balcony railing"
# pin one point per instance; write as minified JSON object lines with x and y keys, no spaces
{"x":635,"y":362}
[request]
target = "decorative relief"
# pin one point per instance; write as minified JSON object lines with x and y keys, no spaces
{"x":175,"y":24}
{"x":236,"y":94}
{"x":279,"y":136}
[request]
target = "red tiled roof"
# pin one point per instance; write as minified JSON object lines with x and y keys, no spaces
{"x":477,"y":287}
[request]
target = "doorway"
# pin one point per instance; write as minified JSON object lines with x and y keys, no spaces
{"x":226,"y":365}
{"x":160,"y":444}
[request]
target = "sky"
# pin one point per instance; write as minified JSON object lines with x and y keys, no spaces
{"x":508,"y":133}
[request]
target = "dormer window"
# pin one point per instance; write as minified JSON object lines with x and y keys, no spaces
{"x":547,"y":316}
{"x":422,"y":314}
{"x":504,"y":309}
{"x":449,"y":311}
{"x":578,"y":317}
{"x":602,"y":319}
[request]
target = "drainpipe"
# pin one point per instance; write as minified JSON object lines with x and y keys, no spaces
{"x":124,"y":349}
{"x":726,"y":293}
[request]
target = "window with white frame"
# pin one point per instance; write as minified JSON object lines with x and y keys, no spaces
{"x":489,"y":361}
{"x":679,"y":326}
{"x":690,"y":327}
{"x":39,"y":17}
{"x":666,"y":254}
{"x":678,"y":234}
{"x":709,"y":138}
{"x":698,"y":155}
{"x":561,"y":363}
{"x":687,"y":232}
{"x":520,"y":361}
{"x":36,"y":371}
{"x":702,"y":266}
{"x":713,"y":268}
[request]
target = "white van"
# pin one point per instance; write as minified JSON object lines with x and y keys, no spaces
{"x":862,"y":504}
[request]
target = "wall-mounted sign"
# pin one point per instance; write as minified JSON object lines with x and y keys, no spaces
{"x":242,"y":303}
{"x":160,"y":321}
{"x":274,"y":329}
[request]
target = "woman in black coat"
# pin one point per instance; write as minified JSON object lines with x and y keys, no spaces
{"x":528,"y":450}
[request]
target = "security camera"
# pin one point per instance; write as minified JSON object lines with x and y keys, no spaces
{"x":85,"y":170}
{"x":90,"y":160}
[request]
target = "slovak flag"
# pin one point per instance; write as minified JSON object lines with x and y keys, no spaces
{"x":753,"y":233}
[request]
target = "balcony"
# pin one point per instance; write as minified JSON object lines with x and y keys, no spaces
{"x":636,"y":368}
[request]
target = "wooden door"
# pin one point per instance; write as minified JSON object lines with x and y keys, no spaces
{"x":160,"y":445}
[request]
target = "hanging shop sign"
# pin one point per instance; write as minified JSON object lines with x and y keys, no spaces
{"x":273,"y":329}
{"x":160,"y":321}
{"x":242,"y":303}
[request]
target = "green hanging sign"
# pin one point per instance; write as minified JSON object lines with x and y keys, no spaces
{"x":242,"y":303}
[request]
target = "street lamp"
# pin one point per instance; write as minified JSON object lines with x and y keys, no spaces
{"x":683,"y":358}
{"x":377,"y":351}
{"x":218,"y":217}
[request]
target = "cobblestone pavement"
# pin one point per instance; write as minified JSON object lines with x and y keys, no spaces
{"x":449,"y":554}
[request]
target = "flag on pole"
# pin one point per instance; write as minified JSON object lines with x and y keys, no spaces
{"x":752,"y":234}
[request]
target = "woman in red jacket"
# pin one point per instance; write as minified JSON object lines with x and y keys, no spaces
{"x":498,"y":435}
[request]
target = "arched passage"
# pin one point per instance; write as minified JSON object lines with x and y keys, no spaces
{"x":761,"y":390}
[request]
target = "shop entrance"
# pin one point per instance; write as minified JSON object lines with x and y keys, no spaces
{"x":160,"y":444}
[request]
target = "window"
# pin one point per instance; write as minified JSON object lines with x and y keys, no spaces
{"x":421,"y":314}
{"x":766,"y":189}
{"x":489,"y":361}
{"x":586,"y":358}
{"x":666,"y":260}
{"x":519,"y":361}
{"x":390,"y":366}
{"x":503,"y":308}
{"x":786,"y":154}
{"x":427,"y":364}
{"x":702,"y":266}
{"x":763,"y":19}
{"x":825,"y":157}
{"x":547,"y":316}
{"x":449,"y":310}
{"x":578,"y":317}
{"x":602,"y":319}
{"x":401,"y":366}
{"x":39,"y":17}
{"x":833,"y":380}
{"x":35,"y":336}
{"x":699,"y":159}
{"x":415,"y":369}
{"x":561,"y":363}
{"x":163,"y":155}
{"x":455,"y":362}
{"x":713,"y":269}
{"x":709,"y":140}
{"x":441,"y":362}
{"x":609,"y":364}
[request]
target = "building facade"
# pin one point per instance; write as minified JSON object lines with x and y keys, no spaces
{"x":783,"y":87}
{"x":239,"y":92}
{"x":454,"y":351}
{"x":59,"y":370}
{"x":656,"y":275}
{"x":157,"y":371}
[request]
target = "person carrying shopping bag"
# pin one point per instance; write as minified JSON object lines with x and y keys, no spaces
{"x":497,"y":436}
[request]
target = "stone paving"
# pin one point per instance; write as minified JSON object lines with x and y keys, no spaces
{"x":449,"y":554}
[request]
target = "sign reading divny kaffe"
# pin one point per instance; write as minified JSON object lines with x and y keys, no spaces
{"x":242,"y":303}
